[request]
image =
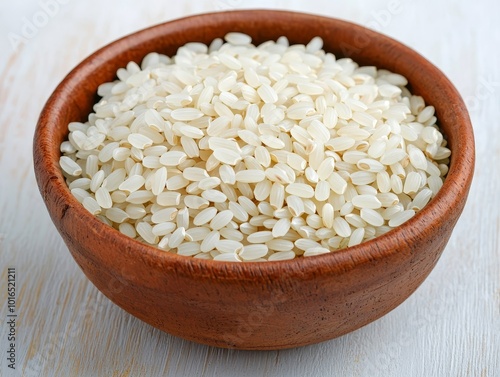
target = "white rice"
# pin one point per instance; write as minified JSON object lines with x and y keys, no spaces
{"x":240,"y":153}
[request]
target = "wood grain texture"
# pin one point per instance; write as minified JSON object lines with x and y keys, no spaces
{"x":450,"y":326}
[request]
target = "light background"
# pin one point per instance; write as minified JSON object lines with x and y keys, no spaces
{"x":449,"y":327}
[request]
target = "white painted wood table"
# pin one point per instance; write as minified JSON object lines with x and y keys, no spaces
{"x":65,"y":327}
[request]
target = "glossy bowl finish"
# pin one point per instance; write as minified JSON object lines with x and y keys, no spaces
{"x":270,"y":305}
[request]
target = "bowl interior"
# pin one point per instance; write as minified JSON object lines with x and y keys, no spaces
{"x":74,"y":98}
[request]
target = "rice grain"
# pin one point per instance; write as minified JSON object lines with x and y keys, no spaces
{"x":240,"y":153}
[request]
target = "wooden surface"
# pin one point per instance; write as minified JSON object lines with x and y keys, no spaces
{"x":449,"y":327}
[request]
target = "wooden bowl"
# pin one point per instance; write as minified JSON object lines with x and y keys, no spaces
{"x":270,"y":305}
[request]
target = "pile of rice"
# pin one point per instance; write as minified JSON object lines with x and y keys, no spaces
{"x":240,"y":153}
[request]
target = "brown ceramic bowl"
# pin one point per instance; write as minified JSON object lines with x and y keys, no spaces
{"x":256,"y":305}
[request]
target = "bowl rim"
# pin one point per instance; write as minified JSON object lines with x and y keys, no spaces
{"x":337,"y":262}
